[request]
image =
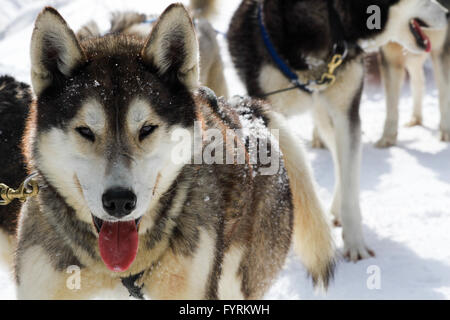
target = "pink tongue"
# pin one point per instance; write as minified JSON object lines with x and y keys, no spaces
{"x":425,"y":38}
{"x":118,"y":244}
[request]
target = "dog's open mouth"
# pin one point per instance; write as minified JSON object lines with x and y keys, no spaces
{"x":423,"y":41}
{"x":118,"y":242}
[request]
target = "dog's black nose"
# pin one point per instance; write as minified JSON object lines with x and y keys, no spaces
{"x":119,"y":202}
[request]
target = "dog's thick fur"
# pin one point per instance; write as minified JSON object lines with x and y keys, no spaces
{"x":393,"y":63}
{"x":136,"y":24}
{"x":207,"y":230}
{"x":301,"y":33}
{"x":15,"y":98}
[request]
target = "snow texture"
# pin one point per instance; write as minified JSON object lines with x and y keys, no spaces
{"x":405,"y":190}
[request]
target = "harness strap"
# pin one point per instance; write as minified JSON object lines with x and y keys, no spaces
{"x":338,"y":55}
{"x":276,"y":58}
{"x":134,"y":290}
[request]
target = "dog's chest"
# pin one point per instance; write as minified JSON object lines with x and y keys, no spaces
{"x":295,"y":101}
{"x":289,"y":102}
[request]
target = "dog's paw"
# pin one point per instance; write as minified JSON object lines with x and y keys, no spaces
{"x":415,"y":121}
{"x":357,"y":252}
{"x":445,"y":136}
{"x":386,"y":142}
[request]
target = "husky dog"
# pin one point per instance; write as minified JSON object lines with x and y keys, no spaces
{"x":15,"y":98}
{"x":115,"y":203}
{"x":275,"y":41}
{"x":393,"y":62}
{"x":139,"y":25}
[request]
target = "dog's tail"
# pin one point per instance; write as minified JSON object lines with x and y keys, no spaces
{"x":313,"y":241}
{"x":120,"y":21}
{"x":204,"y":8}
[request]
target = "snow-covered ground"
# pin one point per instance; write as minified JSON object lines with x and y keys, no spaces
{"x":405,"y":191}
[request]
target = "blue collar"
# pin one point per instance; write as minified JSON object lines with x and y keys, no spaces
{"x":276,"y":58}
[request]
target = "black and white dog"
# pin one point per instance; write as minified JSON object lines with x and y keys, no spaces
{"x":315,"y":48}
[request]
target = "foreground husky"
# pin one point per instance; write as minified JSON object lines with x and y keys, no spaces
{"x":394,"y":62}
{"x":113,"y":201}
{"x":276,"y":42}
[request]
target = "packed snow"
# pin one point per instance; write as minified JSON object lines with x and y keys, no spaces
{"x":405,"y":190}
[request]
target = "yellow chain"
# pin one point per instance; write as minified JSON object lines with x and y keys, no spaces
{"x":28,"y":188}
{"x":329,"y":77}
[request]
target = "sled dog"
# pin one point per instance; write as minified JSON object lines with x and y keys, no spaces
{"x":105,"y":129}
{"x":308,"y":54}
{"x":393,"y":63}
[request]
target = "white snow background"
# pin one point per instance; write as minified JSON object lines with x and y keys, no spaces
{"x":405,"y":190}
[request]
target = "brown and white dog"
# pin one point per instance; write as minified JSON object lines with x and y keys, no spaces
{"x":109,"y":121}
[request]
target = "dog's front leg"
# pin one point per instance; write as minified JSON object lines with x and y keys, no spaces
{"x":36,"y":278}
{"x":441,"y":68}
{"x":341,"y":103}
{"x":348,"y":159}
{"x":178,"y":276}
{"x":393,"y":74}
{"x":342,"y":135}
{"x":415,"y":67}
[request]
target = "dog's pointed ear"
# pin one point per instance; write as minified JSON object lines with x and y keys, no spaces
{"x":172,"y":47}
{"x":55,"y":50}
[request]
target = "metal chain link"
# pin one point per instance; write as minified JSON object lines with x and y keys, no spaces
{"x":28,"y":188}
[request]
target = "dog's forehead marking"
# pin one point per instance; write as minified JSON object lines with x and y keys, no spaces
{"x":138,"y":111}
{"x":93,"y":114}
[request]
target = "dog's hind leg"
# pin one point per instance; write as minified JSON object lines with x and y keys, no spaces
{"x":415,"y":66}
{"x":393,"y":74}
{"x":211,"y":65}
{"x":441,"y":67}
{"x":325,"y":131}
{"x":216,"y":78}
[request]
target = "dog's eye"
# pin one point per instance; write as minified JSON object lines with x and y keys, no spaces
{"x":146,"y":131}
{"x":86,"y":133}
